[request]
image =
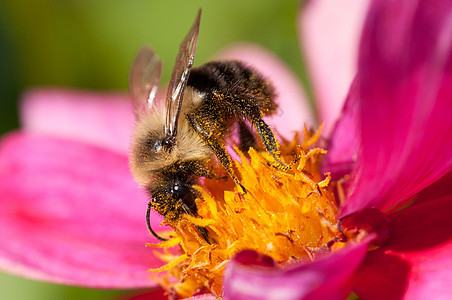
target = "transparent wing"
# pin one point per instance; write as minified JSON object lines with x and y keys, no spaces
{"x":179,"y":78}
{"x":144,"y":80}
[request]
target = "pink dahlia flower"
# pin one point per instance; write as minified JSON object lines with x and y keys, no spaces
{"x":71,"y":213}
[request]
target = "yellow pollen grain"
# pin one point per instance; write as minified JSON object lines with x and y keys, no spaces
{"x":287,"y":215}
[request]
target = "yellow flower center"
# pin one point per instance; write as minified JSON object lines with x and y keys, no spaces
{"x":287,"y":215}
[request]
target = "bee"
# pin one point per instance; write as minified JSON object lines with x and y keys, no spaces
{"x":175,"y":141}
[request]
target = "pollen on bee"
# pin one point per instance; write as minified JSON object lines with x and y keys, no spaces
{"x":285,"y":214}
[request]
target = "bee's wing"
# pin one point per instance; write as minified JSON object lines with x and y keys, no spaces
{"x":179,"y":78}
{"x":144,"y":80}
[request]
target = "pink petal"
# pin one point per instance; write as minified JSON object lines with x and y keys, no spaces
{"x":417,"y":262}
{"x":101,"y":119}
{"x":155,"y":294}
{"x":344,"y":145}
{"x":405,"y":92}
{"x":325,"y":278}
{"x":440,"y":188}
{"x":71,"y":213}
{"x":293,"y":107}
{"x":330,"y":32}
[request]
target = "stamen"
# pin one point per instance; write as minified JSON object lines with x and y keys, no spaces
{"x":170,"y":265}
{"x":166,"y":244}
{"x":198,"y":221}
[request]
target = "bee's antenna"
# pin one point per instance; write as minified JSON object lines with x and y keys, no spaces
{"x":148,"y":223}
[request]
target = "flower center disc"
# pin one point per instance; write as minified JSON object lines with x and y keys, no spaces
{"x":287,"y":215}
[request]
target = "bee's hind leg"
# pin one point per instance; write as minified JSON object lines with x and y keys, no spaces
{"x":270,"y":143}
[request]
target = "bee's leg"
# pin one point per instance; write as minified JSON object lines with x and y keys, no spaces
{"x":250,"y":111}
{"x":223,"y":157}
{"x":246,"y":138}
{"x":269,"y":141}
{"x":199,"y":169}
{"x":203,"y":122}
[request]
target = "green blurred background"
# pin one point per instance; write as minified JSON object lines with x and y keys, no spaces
{"x":90,"y":44}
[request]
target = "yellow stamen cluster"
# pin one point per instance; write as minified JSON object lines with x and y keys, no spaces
{"x":287,"y":215}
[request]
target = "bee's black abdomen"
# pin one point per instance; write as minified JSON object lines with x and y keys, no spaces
{"x":231,"y":92}
{"x":239,"y":87}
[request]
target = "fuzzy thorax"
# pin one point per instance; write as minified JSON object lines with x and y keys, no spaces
{"x":287,"y":215}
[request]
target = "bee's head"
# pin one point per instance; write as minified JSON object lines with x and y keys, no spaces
{"x":174,"y":199}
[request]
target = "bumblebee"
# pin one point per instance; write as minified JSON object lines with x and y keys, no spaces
{"x":175,"y":141}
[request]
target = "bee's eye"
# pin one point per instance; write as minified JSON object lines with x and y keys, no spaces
{"x":167,"y":143}
{"x":186,"y":196}
{"x":159,"y":144}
